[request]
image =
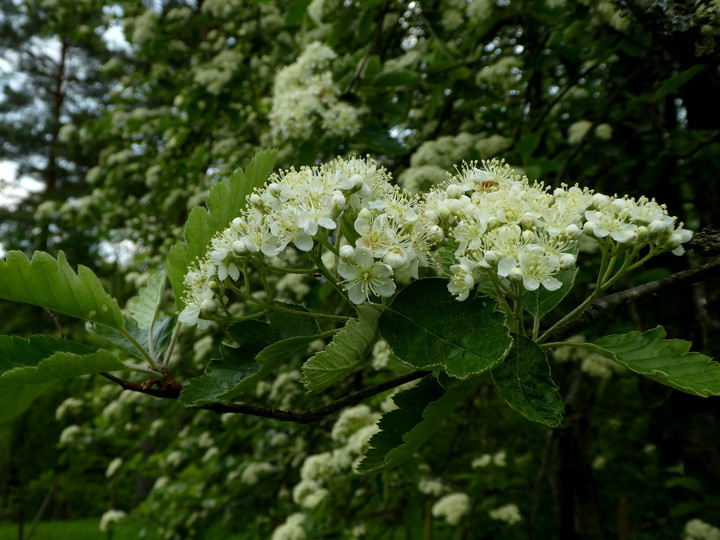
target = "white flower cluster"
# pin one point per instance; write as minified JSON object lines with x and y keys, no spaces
{"x":305,"y":92}
{"x":697,"y":529}
{"x":509,"y":513}
{"x":452,"y":507}
{"x":504,"y":230}
{"x":304,"y":208}
{"x":292,"y":529}
{"x":507,"y":230}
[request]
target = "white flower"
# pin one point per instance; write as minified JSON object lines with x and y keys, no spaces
{"x":602,"y":224}
{"x":364,"y":276}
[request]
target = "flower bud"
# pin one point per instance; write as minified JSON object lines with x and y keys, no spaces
{"x":492,"y":257}
{"x":567,"y":260}
{"x":600,"y":200}
{"x":239,"y":247}
{"x":394,"y":259}
{"x":365,"y":214}
{"x":347,"y":252}
{"x":658,"y":227}
{"x":528,"y":236}
{"x":454,"y":191}
{"x":572,"y":230}
{"x":208,"y":306}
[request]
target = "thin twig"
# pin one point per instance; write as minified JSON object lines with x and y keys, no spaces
{"x":299,"y":417}
{"x":602,"y":307}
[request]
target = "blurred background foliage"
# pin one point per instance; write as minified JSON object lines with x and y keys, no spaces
{"x":123,"y":114}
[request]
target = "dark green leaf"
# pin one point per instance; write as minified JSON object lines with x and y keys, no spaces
{"x":541,"y":301}
{"x":421,"y":412}
{"x":400,"y":77}
{"x":30,"y":366}
{"x":427,"y":328}
{"x":524,"y":382}
{"x":674,"y":83}
{"x":381,"y":141}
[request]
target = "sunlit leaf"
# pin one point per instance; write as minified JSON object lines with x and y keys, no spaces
{"x":348,"y":348}
{"x":52,"y":284}
{"x":666,"y":361}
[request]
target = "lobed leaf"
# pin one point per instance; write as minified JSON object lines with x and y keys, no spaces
{"x":52,"y":284}
{"x":347,"y":349}
{"x":225,"y":201}
{"x":420,"y":413}
{"x":666,"y":361}
{"x":30,"y":366}
{"x":427,"y":328}
{"x":524,"y":382}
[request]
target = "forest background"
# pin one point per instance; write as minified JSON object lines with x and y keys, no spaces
{"x":125,"y":114}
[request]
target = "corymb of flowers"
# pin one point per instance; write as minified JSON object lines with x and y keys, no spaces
{"x":345,"y":222}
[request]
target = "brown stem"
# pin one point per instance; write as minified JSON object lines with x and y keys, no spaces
{"x":299,"y":417}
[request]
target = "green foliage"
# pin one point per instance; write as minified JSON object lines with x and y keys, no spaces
{"x":523,"y":380}
{"x":260,"y":349}
{"x":144,"y":306}
{"x":666,"y":361}
{"x":31,"y":366}
{"x":421,"y":411}
{"x":52,"y":284}
{"x":225,"y":201}
{"x":427,"y":328}
{"x":541,"y":301}
{"x":348,"y":348}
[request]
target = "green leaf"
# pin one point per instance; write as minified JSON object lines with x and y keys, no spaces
{"x":144,"y":306}
{"x":380,"y":141}
{"x":288,"y":325}
{"x":30,"y":366}
{"x":399,"y":77}
{"x":666,"y":361}
{"x":541,"y":301}
{"x":52,"y":284}
{"x":235,"y":365}
{"x":225,"y":201}
{"x":674,"y":83}
{"x":258,"y":354}
{"x":524,"y":382}
{"x":427,"y":328}
{"x":527,"y":145}
{"x":162,"y":331}
{"x":420,"y":413}
{"x":348,"y":348}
